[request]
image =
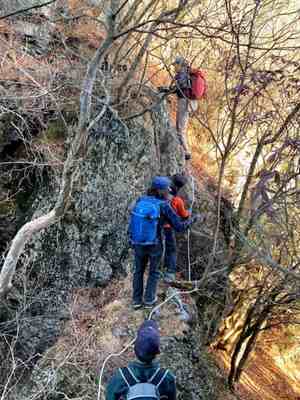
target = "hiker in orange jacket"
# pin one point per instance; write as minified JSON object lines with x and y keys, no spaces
{"x":177,"y":203}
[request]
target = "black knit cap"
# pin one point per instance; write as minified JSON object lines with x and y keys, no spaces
{"x":179,"y":180}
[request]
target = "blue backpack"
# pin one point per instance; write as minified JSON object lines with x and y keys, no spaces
{"x":143,"y":225}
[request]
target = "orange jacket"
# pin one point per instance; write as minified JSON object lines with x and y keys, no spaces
{"x":178,"y":206}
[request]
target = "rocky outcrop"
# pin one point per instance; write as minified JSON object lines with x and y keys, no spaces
{"x":37,"y":32}
{"x":90,"y":244}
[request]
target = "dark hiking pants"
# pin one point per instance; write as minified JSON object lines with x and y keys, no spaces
{"x":170,"y":250}
{"x":144,"y":255}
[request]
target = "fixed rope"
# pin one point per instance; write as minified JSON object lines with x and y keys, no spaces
{"x":189,"y":232}
{"x":105,"y":362}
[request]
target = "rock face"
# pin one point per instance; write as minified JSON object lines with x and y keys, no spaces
{"x":90,"y":244}
{"x":9,"y":143}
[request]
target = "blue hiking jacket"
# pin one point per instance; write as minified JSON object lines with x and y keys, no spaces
{"x":117,"y":388}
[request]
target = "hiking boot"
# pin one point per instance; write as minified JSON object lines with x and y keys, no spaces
{"x":169,"y":277}
{"x":150,"y":304}
{"x":137,"y":306}
{"x":187,"y":156}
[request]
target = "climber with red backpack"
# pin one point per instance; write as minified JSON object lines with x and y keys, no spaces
{"x":148,"y":217}
{"x":143,"y":379}
{"x":189,"y":86}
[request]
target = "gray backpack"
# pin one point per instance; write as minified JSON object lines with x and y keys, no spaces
{"x":143,"y":390}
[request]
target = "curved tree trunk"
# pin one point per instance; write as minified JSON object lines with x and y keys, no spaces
{"x":17,"y":247}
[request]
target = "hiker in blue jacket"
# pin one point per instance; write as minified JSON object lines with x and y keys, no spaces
{"x":148,"y":217}
{"x":143,"y":378}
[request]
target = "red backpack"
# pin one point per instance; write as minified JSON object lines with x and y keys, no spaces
{"x":199,"y":85}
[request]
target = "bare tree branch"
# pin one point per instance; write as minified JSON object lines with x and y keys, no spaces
{"x":27,"y":9}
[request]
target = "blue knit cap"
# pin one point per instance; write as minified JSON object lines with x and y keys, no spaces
{"x":147,"y":343}
{"x":161,"y":182}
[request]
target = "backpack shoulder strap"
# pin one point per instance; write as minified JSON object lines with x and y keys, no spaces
{"x":128,"y":376}
{"x":158,"y":377}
